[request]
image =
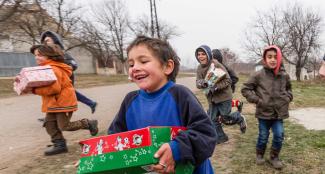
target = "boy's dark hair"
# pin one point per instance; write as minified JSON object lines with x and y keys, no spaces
{"x":52,"y":51}
{"x":160,"y":49}
{"x":270,"y":49}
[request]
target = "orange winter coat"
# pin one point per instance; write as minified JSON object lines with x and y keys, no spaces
{"x":60,"y":96}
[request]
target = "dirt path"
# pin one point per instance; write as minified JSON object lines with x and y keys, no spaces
{"x":310,"y":118}
{"x":23,"y":138}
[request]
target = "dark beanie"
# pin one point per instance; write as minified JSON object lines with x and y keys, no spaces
{"x":216,"y":54}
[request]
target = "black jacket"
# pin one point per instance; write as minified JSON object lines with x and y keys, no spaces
{"x":68,"y":59}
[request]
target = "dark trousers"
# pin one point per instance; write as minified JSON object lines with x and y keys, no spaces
{"x":55,"y":123}
{"x":264,"y":127}
{"x":83,"y":99}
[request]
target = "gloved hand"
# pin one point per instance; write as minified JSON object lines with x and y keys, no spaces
{"x":212,"y":90}
{"x":203,"y":83}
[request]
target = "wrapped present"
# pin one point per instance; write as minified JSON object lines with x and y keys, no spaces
{"x":30,"y":77}
{"x":213,"y":76}
{"x":129,"y":152}
{"x":322,"y":70}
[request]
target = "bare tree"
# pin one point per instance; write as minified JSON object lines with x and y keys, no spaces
{"x":97,"y":43}
{"x":141,"y":26}
{"x":34,"y":18}
{"x":8,"y":8}
{"x":229,"y":57}
{"x":304,"y":29}
{"x":295,"y":30}
{"x":266,"y":29}
{"x":113,"y":16}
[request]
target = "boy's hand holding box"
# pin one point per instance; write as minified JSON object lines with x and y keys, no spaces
{"x":129,"y":152}
{"x":213,"y":76}
{"x":30,"y":77}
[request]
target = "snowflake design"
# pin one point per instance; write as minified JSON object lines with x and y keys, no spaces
{"x":144,"y":151}
{"x":125,"y":156}
{"x":90,"y":166}
{"x":111,"y":157}
{"x":135,"y":158}
{"x":102,"y":158}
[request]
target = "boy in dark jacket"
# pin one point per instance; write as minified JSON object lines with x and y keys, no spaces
{"x":219,"y":96}
{"x":153,"y":66}
{"x":52,"y":37}
{"x":270,"y":90}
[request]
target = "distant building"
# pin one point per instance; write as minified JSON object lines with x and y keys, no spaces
{"x":15,"y":44}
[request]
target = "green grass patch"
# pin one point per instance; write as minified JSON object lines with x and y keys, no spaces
{"x":303,"y":150}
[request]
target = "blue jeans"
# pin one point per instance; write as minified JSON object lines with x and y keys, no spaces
{"x":219,"y":109}
{"x":264,"y":127}
{"x":83,"y":99}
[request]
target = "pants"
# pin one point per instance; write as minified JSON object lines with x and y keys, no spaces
{"x":55,"y":123}
{"x":83,"y":99}
{"x":223,"y":110}
{"x":264,"y":127}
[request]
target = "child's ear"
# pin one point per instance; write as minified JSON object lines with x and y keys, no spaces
{"x":169,"y":67}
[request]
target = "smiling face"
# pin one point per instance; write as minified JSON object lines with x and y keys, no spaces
{"x":271,"y":59}
{"x":202,"y":57}
{"x":146,"y":70}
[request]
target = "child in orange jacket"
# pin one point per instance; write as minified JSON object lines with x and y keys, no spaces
{"x":58,"y":99}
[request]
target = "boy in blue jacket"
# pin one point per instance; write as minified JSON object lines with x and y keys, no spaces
{"x":153,"y":66}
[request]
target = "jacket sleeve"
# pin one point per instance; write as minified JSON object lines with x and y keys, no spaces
{"x":52,"y":89}
{"x":289,"y":88}
{"x":248,"y":90}
{"x":69,"y":60}
{"x":200,"y":81}
{"x":197,"y":143}
{"x":119,"y":122}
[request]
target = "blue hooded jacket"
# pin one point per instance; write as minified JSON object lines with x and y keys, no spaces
{"x":207,"y":51}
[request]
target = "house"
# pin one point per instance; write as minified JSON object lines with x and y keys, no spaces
{"x":15,"y":44}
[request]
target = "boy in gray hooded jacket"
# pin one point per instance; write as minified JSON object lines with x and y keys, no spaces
{"x":219,"y":95}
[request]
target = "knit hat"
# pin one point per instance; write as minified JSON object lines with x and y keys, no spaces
{"x":216,"y":54}
{"x":278,"y":57}
{"x":207,"y":51}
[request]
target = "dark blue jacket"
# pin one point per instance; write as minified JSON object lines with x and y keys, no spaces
{"x":172,"y":105}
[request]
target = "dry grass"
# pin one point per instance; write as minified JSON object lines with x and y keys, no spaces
{"x":303,"y":150}
{"x":82,"y":81}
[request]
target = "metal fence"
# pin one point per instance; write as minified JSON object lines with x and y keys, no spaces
{"x":11,"y":63}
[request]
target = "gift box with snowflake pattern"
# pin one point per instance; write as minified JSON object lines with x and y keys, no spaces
{"x":129,"y":152}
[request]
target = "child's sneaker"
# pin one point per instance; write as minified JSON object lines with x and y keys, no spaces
{"x":93,"y":107}
{"x":243,"y":124}
{"x":93,"y":127}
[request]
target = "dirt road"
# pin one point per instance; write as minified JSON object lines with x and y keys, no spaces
{"x":22,"y":137}
{"x":310,"y":118}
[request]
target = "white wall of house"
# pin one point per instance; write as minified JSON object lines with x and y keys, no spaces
{"x":291,"y":70}
{"x":86,"y":64}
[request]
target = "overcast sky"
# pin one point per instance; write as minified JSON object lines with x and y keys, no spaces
{"x":212,"y":22}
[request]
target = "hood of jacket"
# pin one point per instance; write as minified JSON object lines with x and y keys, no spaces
{"x":66,"y":68}
{"x":216,"y":54}
{"x":278,"y":57}
{"x":56,"y":38}
{"x":207,"y":51}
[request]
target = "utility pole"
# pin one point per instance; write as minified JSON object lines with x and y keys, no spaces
{"x":151,"y":15}
{"x":155,"y":29}
{"x":156,"y":16}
